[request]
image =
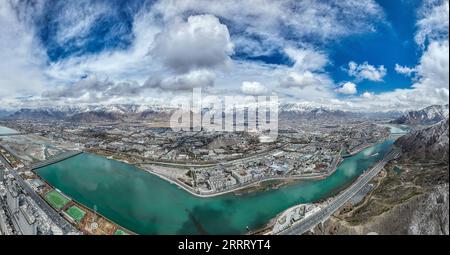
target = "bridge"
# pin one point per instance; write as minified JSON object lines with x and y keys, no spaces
{"x":54,"y":216}
{"x":322,"y":215}
{"x":55,"y":159}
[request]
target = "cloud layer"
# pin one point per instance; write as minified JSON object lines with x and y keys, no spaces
{"x":145,"y":51}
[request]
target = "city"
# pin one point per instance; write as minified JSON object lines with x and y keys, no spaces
{"x":207,"y":125}
{"x":202,"y":162}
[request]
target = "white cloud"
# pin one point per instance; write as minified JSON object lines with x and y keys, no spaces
{"x":433,"y":69}
{"x":183,"y":61}
{"x":304,"y":79}
{"x":365,"y":71}
{"x":433,"y":22}
{"x":118,"y":65}
{"x":92,"y":89}
{"x":264,"y":18}
{"x":408,"y":71}
{"x":367,"y":95}
{"x":200,"y":42}
{"x":75,"y":19}
{"x":253,"y":88}
{"x":259,"y":26}
{"x":183,"y":82}
{"x":21,"y":56}
{"x":348,"y":88}
{"x":307,"y":59}
{"x":431,"y":84}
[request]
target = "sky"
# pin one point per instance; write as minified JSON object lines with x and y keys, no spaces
{"x":366,"y":55}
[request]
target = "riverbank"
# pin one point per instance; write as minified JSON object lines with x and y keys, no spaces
{"x":91,"y":218}
{"x":136,"y":159}
{"x":311,"y":177}
{"x":354,"y":152}
{"x":147,"y":204}
{"x":411,"y":201}
{"x":192,"y":192}
{"x":248,"y":185}
{"x":367,"y":145}
{"x":6,"y":130}
{"x":364,"y":175}
{"x":327,"y":209}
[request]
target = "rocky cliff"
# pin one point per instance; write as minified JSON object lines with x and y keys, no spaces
{"x":410,"y":197}
{"x":427,"y":116}
{"x":428,"y":143}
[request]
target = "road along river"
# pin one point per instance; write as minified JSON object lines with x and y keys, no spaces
{"x":147,"y":204}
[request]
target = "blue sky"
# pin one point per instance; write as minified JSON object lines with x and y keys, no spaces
{"x":373,"y":54}
{"x":392,"y":43}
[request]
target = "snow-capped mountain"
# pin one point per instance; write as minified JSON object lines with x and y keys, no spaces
{"x":4,"y":113}
{"x":90,"y":112}
{"x":426,"y":116}
{"x":117,"y":112}
{"x":302,"y":107}
{"x":427,"y":143}
{"x":326,"y":112}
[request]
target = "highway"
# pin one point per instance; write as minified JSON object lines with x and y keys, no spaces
{"x":322,"y":215}
{"x":53,"y":215}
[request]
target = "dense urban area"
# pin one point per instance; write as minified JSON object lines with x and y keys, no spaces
{"x":203,"y":163}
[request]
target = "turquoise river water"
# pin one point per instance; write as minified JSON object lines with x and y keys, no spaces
{"x":146,"y":204}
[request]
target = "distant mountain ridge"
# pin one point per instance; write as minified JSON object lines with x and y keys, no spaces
{"x":4,"y":113}
{"x":89,"y":113}
{"x":427,"y":116}
{"x":118,"y":112}
{"x":310,"y":112}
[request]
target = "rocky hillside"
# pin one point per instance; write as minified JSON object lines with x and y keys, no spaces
{"x":426,"y":116}
{"x":423,"y":214}
{"x":428,"y":143}
{"x":410,"y":197}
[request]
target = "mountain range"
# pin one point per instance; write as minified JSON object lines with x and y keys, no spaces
{"x":91,"y":113}
{"x":143,"y":112}
{"x":427,"y":116}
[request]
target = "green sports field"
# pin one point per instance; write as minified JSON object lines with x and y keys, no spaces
{"x":56,"y":200}
{"x":120,"y":232}
{"x":76,"y":213}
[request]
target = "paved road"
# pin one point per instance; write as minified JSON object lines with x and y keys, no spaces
{"x":305,"y":225}
{"x":232,"y":161}
{"x":54,"y":216}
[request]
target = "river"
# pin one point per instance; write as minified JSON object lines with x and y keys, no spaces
{"x":147,"y":204}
